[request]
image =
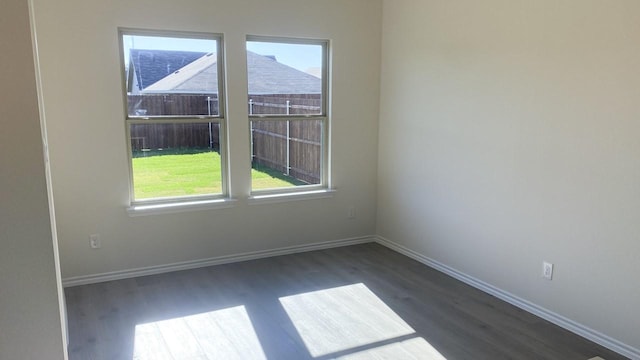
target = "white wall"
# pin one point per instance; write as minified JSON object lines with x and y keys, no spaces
{"x":80,"y":68}
{"x":30,"y":321}
{"x":510,"y":134}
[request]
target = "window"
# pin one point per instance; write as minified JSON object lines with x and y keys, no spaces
{"x":174,"y":114}
{"x":287,"y":104}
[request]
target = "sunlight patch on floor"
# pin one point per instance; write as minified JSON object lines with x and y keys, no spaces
{"x":347,"y":318}
{"x":225,"y":334}
{"x":348,"y":322}
{"x":412,"y":349}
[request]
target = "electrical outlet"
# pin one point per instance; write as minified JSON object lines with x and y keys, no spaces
{"x":351,"y":212}
{"x":547,"y":270}
{"x":94,"y":241}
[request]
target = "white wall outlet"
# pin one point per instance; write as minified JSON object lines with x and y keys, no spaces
{"x":351,"y":212}
{"x":547,"y":270}
{"x":94,"y":241}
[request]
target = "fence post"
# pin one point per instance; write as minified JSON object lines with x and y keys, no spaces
{"x":210,"y":130}
{"x":288,"y":142}
{"x":251,"y":129}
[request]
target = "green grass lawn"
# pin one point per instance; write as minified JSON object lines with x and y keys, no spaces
{"x":263,"y":177}
{"x":192,"y":173}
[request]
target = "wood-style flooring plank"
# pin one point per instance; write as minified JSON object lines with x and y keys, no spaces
{"x":356,"y":302}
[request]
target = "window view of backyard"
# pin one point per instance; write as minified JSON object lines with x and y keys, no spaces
{"x":185,"y":172}
{"x":176,"y":113}
{"x":286,"y":110}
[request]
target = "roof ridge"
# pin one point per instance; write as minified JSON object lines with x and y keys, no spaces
{"x":202,"y":64}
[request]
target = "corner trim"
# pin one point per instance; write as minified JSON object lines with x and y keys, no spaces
{"x":217,"y":260}
{"x":519,"y":302}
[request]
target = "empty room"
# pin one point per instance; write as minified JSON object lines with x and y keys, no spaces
{"x":338,"y":179}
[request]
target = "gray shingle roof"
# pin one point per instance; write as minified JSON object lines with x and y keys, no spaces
{"x":153,"y":65}
{"x":199,"y":76}
{"x":266,"y":75}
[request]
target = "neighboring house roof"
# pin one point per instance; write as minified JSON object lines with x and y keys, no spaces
{"x":199,"y":76}
{"x":266,"y":76}
{"x":149,"y":66}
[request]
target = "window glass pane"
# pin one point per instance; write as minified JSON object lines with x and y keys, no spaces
{"x":171,"y":76}
{"x":171,"y":160}
{"x":286,"y":153}
{"x":284,"y":78}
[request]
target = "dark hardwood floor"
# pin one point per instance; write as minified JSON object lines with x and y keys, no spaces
{"x":355,"y":302}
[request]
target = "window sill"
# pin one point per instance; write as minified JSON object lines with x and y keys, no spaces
{"x":291,"y":196}
{"x":178,"y":207}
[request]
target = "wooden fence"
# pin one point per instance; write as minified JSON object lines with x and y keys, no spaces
{"x":173,"y":104}
{"x":292,"y":104}
{"x":293,"y":147}
{"x":175,"y":136}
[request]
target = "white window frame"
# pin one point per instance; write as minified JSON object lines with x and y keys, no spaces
{"x":323,"y":189}
{"x":178,"y":203}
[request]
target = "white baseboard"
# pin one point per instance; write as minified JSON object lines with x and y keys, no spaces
{"x":523,"y":304}
{"x":218,"y":260}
